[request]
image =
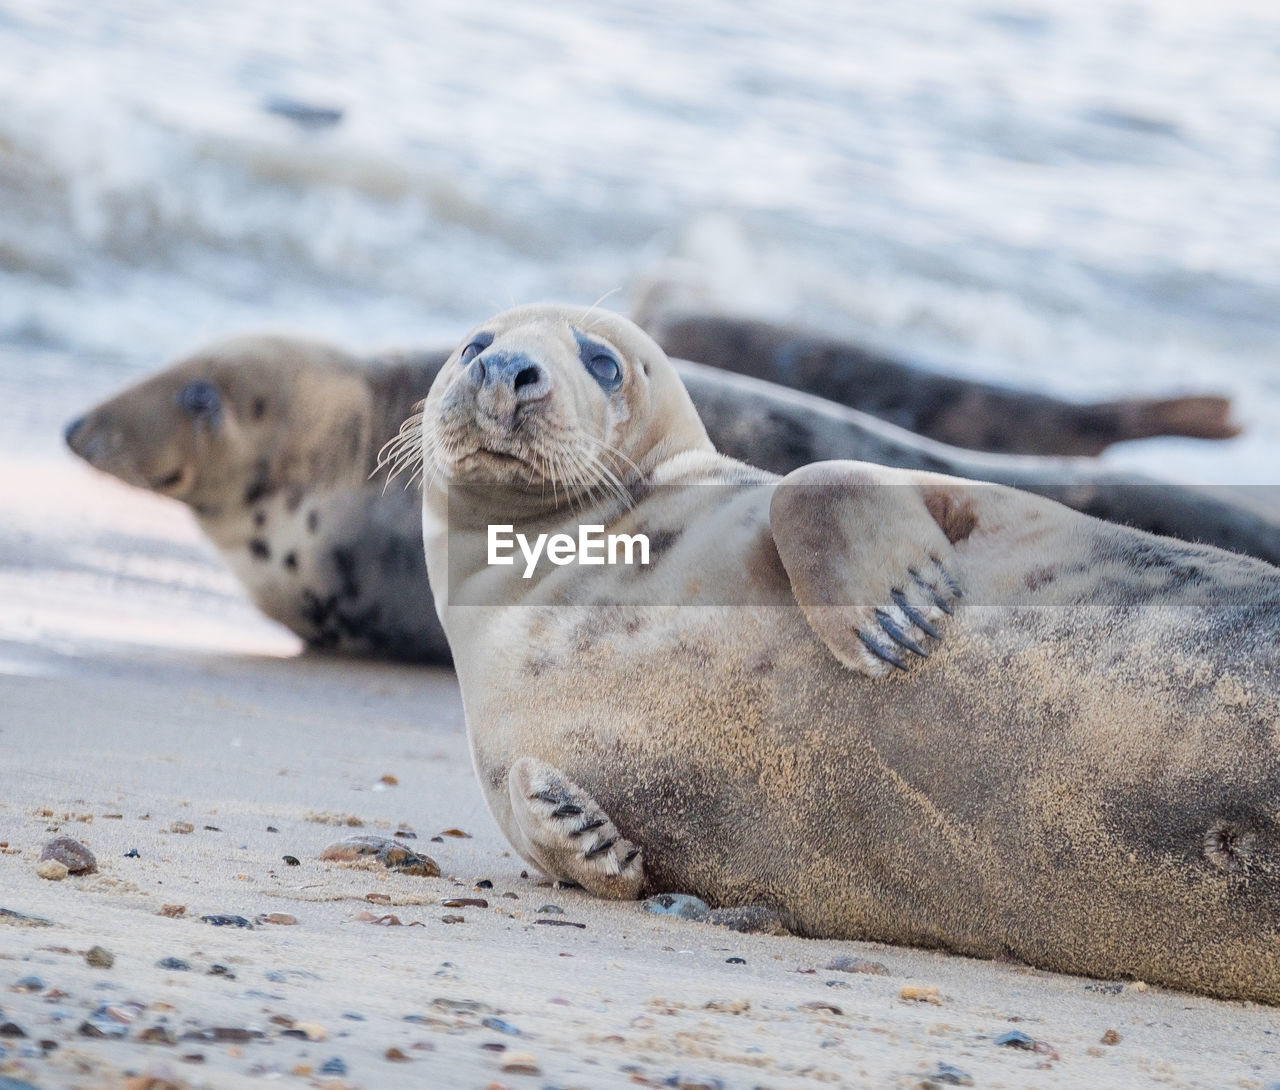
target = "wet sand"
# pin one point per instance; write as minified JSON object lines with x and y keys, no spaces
{"x":141,"y":696}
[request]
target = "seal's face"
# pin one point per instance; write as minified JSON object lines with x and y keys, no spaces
{"x":228,"y":425}
{"x":557,"y":402}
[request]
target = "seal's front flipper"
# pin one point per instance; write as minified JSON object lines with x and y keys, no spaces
{"x":568,"y":836}
{"x":870,"y":555}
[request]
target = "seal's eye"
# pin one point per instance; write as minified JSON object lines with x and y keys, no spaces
{"x":200,"y":398}
{"x":475,"y":348}
{"x":605,"y":369}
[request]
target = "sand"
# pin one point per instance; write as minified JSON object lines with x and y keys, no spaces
{"x":146,"y":708}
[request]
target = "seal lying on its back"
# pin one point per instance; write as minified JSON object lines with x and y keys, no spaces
{"x":1084,"y":773}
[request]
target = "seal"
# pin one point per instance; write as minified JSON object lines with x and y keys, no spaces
{"x":888,"y":704}
{"x":975,"y":415}
{"x":271,"y":440}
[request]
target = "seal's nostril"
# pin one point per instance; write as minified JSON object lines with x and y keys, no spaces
{"x":527,"y":376}
{"x":69,"y":433}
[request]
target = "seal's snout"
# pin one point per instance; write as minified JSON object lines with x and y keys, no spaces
{"x":70,"y":432}
{"x":510,"y":371}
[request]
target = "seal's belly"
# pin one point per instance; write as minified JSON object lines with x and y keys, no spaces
{"x":1018,"y":785}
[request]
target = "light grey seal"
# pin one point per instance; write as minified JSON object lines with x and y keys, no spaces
{"x":891,"y":705}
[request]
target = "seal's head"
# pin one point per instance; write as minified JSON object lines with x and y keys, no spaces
{"x":232,"y":423}
{"x":556,"y":402}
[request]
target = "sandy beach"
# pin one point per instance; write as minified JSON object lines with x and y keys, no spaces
{"x":147,"y":711}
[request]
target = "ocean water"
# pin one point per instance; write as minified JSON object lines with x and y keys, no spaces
{"x":1079,"y":197}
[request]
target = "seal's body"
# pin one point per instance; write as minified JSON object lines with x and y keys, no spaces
{"x":890,"y":704}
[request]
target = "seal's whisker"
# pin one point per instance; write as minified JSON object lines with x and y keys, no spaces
{"x":586,"y":314}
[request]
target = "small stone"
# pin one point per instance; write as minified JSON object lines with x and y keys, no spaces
{"x":291,"y":861}
{"x":377,"y":898}
{"x":735,"y":961}
{"x":465,"y":902}
{"x":221,"y":970}
{"x":11,"y":1029}
{"x":133,"y":853}
{"x":819,"y":1005}
{"x":391,"y":855}
{"x":334,"y":1066}
{"x":730,"y":1006}
{"x":857,"y":965}
{"x":311,"y":1031}
{"x":1111,"y":1037}
{"x":100,"y":1028}
{"x":554,"y":910}
{"x":172,"y":911}
{"x":681,"y":905}
{"x":174,"y":965}
{"x":455,"y":833}
{"x":951,"y":1076}
{"x":281,"y":919}
{"x":272,"y":829}
{"x":100,"y":958}
{"x":226,"y":921}
{"x":499,"y":1026}
{"x":29,"y":984}
{"x":914,"y":993}
{"x":395,"y":1056}
{"x":1015,"y":1038}
{"x":53,"y":870}
{"x":182,"y":827}
{"x":453,"y":919}
{"x":71,"y":853}
{"x":156,"y":1035}
{"x":520,"y":1063}
{"x":389,"y":780}
{"x":405,"y":834}
{"x":24,"y":920}
{"x":483,"y":883}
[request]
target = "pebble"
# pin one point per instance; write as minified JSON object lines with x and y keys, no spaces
{"x":1111,"y":1037}
{"x":520,"y":1063}
{"x":819,"y":1005}
{"x":499,"y":1026}
{"x":29,"y":984}
{"x":681,"y":905}
{"x":390,"y":854}
{"x":914,"y":993}
{"x":554,"y":910}
{"x":11,"y":1029}
{"x":71,"y":853}
{"x":1015,"y":1038}
{"x":334,"y":1066}
{"x":951,"y":1076}
{"x":283,"y":919}
{"x":465,"y":902}
{"x":396,"y":1056}
{"x":857,"y":965}
{"x":182,"y":827}
{"x":483,"y":883}
{"x":453,"y":919}
{"x":291,"y":861}
{"x":24,"y":919}
{"x":735,"y":961}
{"x":156,"y":1035}
{"x":176,"y":965}
{"x":455,"y":833}
{"x":100,"y":958}
{"x":226,"y":921}
{"x":133,"y":853}
{"x":100,"y":1026}
{"x":52,"y":870}
{"x":221,"y":970}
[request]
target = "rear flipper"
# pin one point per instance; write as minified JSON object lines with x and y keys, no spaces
{"x":565,"y":834}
